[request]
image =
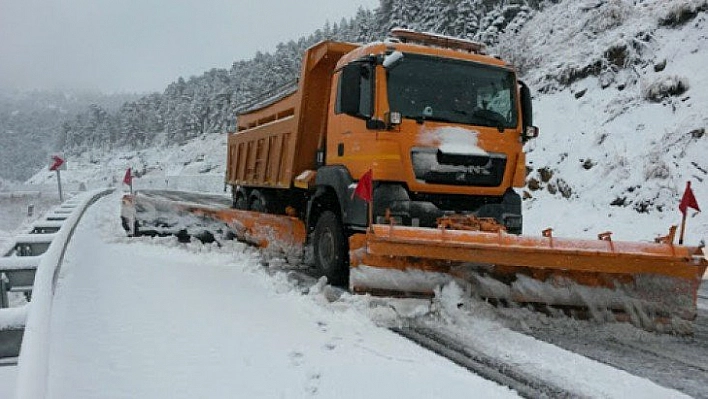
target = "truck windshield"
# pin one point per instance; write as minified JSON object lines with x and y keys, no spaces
{"x":433,"y":88}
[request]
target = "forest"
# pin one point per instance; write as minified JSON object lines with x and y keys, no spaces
{"x":206,"y":104}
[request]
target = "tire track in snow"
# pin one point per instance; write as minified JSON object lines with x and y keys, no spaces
{"x":677,"y":362}
{"x":487,"y":367}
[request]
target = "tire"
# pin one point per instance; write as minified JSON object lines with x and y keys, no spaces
{"x":241,"y":203}
{"x":331,"y":250}
{"x":258,"y":202}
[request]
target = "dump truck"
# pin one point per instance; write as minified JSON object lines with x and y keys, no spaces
{"x":440,"y":125}
{"x":433,"y":129}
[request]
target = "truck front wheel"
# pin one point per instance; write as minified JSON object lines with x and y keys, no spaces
{"x":330,"y":249}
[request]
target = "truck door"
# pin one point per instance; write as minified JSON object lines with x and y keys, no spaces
{"x":353,"y":107}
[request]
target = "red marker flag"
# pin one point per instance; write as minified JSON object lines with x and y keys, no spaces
{"x":128,"y":179}
{"x":688,"y":200}
{"x":58,"y":161}
{"x":364,"y":189}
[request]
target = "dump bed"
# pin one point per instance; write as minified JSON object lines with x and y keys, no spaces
{"x":277,"y":141}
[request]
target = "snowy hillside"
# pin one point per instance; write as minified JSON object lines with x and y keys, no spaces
{"x":199,"y":162}
{"x":620,"y":99}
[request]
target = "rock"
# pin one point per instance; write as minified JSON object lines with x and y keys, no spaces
{"x":533,"y":184}
{"x":698,"y":133}
{"x":546,"y":174}
{"x":658,"y":67}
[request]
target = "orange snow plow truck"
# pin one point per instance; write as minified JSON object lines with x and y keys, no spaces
{"x":436,"y":128}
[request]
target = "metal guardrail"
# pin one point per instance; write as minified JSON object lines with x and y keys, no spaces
{"x":32,"y":361}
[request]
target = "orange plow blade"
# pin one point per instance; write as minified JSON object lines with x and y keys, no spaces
{"x":643,"y":280}
{"x":165,"y":212}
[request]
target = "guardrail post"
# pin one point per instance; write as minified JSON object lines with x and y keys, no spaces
{"x":4,"y":301}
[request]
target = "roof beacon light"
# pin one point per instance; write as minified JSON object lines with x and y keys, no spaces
{"x":432,"y":39}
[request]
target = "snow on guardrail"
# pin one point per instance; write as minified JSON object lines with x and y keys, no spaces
{"x":33,"y":359}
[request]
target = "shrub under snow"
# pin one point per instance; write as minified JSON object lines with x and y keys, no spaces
{"x":664,"y":87}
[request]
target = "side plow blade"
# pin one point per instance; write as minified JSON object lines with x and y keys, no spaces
{"x":155,"y":212}
{"x":645,"y":282}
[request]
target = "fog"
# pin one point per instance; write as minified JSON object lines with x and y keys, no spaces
{"x":143,"y":45}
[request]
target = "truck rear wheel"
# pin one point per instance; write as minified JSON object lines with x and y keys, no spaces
{"x":259,"y":202}
{"x":330,"y":249}
{"x":241,"y":203}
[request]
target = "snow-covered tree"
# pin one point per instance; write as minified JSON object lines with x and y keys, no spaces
{"x":208,"y":103}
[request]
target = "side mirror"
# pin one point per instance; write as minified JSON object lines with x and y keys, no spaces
{"x":349,"y":89}
{"x":529,"y":130}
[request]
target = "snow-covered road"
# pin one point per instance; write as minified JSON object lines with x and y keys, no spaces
{"x":152,"y":318}
{"x":132,"y":319}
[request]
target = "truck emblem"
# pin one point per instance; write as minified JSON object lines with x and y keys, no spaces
{"x":479,"y":170}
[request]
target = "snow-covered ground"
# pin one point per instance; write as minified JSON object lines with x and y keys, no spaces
{"x":621,"y":159}
{"x":608,"y":158}
{"x":150,"y":317}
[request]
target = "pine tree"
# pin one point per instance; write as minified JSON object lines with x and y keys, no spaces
{"x":466,"y":21}
{"x":366,"y":26}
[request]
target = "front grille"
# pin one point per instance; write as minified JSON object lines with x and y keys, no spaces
{"x":432,"y":166}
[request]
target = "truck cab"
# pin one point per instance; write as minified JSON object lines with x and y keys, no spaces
{"x":441,"y":127}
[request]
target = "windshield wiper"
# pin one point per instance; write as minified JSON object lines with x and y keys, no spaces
{"x":422,"y":118}
{"x":491,"y":117}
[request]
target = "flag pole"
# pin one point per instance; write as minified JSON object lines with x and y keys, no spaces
{"x":683,"y":228}
{"x":58,"y":162}
{"x":371,"y":203}
{"x":61,"y":197}
{"x":371,"y":215}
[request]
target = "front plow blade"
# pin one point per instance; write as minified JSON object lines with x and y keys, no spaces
{"x":646,"y":281}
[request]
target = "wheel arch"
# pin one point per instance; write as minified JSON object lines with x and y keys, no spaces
{"x":335,"y":186}
{"x":324,"y":199}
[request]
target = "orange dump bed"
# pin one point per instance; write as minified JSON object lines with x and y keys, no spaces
{"x":277,"y":141}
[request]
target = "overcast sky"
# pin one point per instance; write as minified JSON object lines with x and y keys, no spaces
{"x":143,"y":45}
